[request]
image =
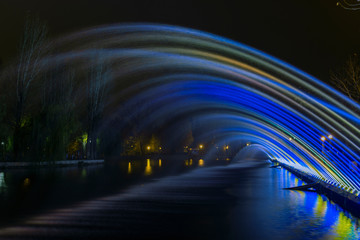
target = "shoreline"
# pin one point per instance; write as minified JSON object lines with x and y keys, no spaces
{"x":17,"y":165}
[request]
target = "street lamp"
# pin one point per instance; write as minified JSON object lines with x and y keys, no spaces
{"x":323,"y":139}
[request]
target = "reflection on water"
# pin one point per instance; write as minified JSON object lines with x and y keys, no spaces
{"x":3,"y":185}
{"x":323,"y":218}
{"x":254,"y":204}
{"x":201,"y":162}
{"x":148,"y":169}
{"x":320,"y":207}
{"x":129,"y":168}
{"x":83,"y":173}
{"x":26,"y":182}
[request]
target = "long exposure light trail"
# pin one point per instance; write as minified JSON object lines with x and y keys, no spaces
{"x":233,"y":91}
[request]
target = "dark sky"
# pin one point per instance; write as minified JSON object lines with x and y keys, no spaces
{"x":314,"y":35}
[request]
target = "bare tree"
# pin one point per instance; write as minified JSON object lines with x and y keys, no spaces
{"x":347,"y":79}
{"x":96,"y":93}
{"x":28,"y":68}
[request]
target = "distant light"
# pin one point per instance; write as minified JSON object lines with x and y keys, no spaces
{"x":201,"y":146}
{"x":248,"y":144}
{"x":160,"y":148}
{"x":290,"y":138}
{"x":226,"y":147}
{"x":323,"y":138}
{"x":148,"y":147}
{"x":2,"y":143}
{"x":330,"y":136}
{"x":159,"y":162}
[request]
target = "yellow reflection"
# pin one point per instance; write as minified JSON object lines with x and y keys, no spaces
{"x":148,"y":169}
{"x":27,"y":182}
{"x":227,"y":159}
{"x":83,"y":173}
{"x":159,"y":162}
{"x":343,"y":227}
{"x":296,"y":182}
{"x":186,"y":162}
{"x":320,"y":207}
{"x":129,"y":168}
{"x":201,"y":162}
{"x":190,"y":162}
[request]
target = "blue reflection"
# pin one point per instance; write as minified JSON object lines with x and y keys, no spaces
{"x":320,"y":218}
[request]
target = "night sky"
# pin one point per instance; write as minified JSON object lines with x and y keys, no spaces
{"x":314,"y":35}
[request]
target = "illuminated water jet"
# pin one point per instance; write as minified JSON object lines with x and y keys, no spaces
{"x":168,"y":76}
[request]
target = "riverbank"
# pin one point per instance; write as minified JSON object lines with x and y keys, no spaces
{"x":10,"y":165}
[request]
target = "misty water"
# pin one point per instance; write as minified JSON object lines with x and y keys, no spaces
{"x":167,"y":198}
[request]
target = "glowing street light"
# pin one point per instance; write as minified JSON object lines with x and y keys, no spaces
{"x":330,"y":136}
{"x":148,"y":148}
{"x":201,"y":146}
{"x":323,"y":139}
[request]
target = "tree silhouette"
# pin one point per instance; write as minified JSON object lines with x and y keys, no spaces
{"x":347,"y":78}
{"x":96,"y":92}
{"x":29,"y":66}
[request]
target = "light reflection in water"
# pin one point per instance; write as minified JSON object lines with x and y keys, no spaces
{"x":159,"y":162}
{"x":83,"y":173}
{"x":201,"y":162}
{"x":345,"y":229}
{"x":26,"y":182}
{"x":330,"y":218}
{"x":320,"y":207}
{"x":129,"y":168}
{"x":3,"y":185}
{"x":188,"y":162}
{"x":148,"y":169}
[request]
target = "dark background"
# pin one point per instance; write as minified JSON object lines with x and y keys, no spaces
{"x":315,"y":36}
